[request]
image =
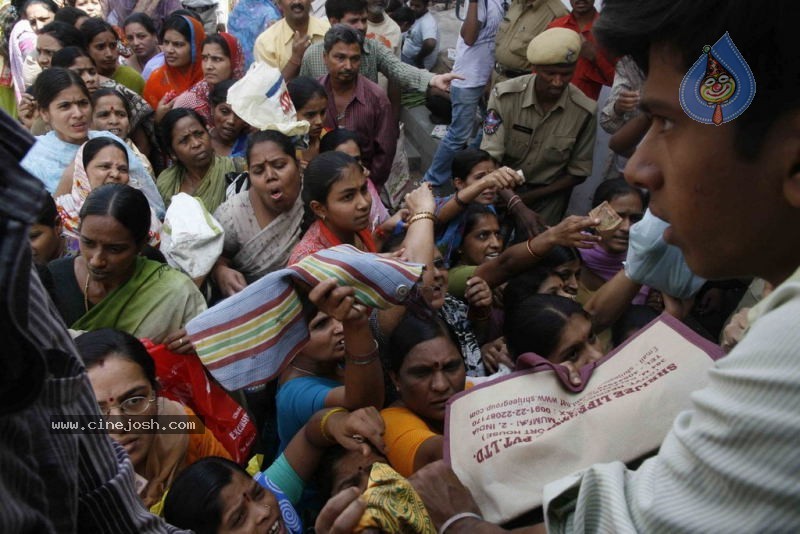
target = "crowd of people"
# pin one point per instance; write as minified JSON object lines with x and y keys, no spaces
{"x":119,"y":111}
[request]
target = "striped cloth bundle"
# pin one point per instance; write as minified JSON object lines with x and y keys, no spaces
{"x":246,"y":339}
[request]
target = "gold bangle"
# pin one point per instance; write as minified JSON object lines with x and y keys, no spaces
{"x":530,"y":249}
{"x":422,"y":215}
{"x":324,"y":421}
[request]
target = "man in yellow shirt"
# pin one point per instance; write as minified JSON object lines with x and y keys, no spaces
{"x":283,"y":44}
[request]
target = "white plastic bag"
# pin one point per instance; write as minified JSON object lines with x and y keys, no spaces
{"x":260,"y":98}
{"x":652,"y":261}
{"x":191,"y":239}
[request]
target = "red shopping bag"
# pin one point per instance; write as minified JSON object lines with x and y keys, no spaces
{"x":183,"y":378}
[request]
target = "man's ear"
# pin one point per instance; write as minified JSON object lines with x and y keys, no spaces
{"x":333,"y":20}
{"x":791,"y":182}
{"x":319,"y":209}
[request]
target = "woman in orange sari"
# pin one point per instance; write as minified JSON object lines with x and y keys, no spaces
{"x":182,"y":38}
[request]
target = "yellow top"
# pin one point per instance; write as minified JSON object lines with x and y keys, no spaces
{"x":274,"y":46}
{"x":405,"y":432}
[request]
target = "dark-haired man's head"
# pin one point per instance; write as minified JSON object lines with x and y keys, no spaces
{"x":352,"y":13}
{"x":343,"y":47}
{"x":731,"y":193}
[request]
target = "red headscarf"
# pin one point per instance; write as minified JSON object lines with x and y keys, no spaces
{"x":175,"y":80}
{"x":237,"y":55}
{"x":197,"y":97}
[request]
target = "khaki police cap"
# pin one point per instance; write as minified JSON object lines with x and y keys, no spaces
{"x":554,"y":46}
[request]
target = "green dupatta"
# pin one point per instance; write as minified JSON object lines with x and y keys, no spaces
{"x":154,"y":302}
{"x":211,"y":190}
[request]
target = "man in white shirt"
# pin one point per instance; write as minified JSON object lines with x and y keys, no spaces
{"x":474,"y":62}
{"x":421,"y":46}
{"x":726,"y":178}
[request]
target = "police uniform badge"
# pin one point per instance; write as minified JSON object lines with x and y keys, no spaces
{"x":492,"y":122}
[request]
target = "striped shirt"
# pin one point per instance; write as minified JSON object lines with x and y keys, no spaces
{"x":369,"y":114}
{"x":731,"y":464}
{"x":376,"y":58}
{"x":49,"y":481}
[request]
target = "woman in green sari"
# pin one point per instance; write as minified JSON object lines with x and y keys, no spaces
{"x":197,"y":170}
{"x":110,"y":285}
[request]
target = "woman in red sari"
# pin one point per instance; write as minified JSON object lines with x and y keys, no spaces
{"x":182,"y":38}
{"x":337,"y":204}
{"x":222,"y":59}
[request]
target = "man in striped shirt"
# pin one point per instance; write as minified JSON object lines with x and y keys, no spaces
{"x":376,"y":57}
{"x":731,"y":195}
{"x":358,"y":104}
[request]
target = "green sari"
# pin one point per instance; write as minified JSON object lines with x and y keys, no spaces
{"x":211,"y":190}
{"x":156,"y":301}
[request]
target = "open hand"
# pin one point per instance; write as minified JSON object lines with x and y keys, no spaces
{"x":571,"y":232}
{"x":443,"y":81}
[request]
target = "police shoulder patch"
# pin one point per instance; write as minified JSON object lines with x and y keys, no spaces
{"x":492,"y":122}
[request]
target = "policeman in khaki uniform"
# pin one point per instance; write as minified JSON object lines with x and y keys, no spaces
{"x":524,"y":20}
{"x":543,"y":125}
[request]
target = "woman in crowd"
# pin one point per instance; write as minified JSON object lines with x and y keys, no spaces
{"x":111,"y":285}
{"x":47,"y":243}
{"x":482,"y":242}
{"x":123,"y":377}
{"x":556,"y":328}
{"x":337,"y":205}
{"x":181,"y":39}
{"x":119,"y":11}
{"x":261,"y":224}
{"x":222,"y":59}
{"x":557,"y":273}
{"x":65,"y":105}
{"x":102,"y":46}
{"x":98,"y":162}
{"x":229,"y":131}
{"x":93,"y":8}
{"x":54,"y":37}
{"x":339,"y":366}
{"x":111,"y":113}
{"x":604,"y":260}
{"x":216,"y":495}
{"x":310,"y":101}
{"x":426,"y":369}
{"x":140,"y":135}
{"x":342,"y":140}
{"x":35,"y":15}
{"x":417,"y":246}
{"x":142,"y":36}
{"x":196,"y":169}
{"x":477,"y":179}
{"x":481,"y":253}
